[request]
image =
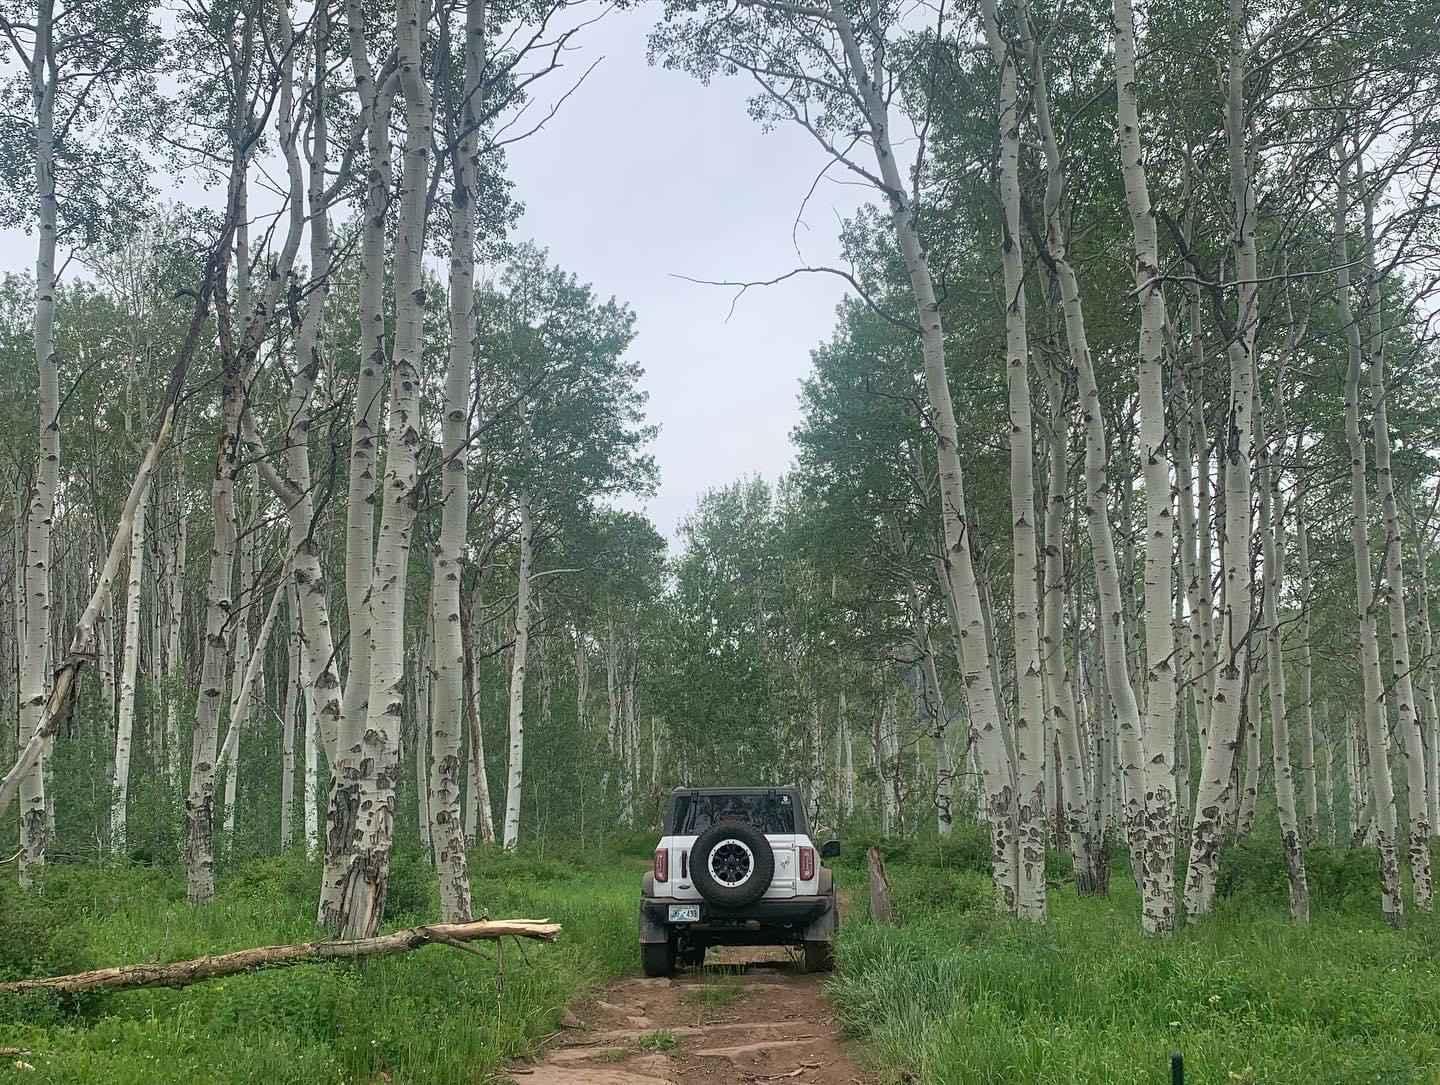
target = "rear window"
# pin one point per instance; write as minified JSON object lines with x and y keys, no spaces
{"x":768,"y":812}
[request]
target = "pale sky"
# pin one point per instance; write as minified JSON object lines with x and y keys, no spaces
{"x":644,"y":175}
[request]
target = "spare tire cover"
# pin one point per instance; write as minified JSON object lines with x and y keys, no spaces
{"x":732,"y":864}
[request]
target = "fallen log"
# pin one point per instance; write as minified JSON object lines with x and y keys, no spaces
{"x":184,"y":973}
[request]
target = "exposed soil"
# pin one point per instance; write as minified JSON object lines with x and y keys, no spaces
{"x":749,"y":1016}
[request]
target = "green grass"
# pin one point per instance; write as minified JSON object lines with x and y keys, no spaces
{"x":661,"y":1040}
{"x":957,"y":996}
{"x":435,"y":1015}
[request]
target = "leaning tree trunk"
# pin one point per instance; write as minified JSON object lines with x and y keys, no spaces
{"x":479,"y":815}
{"x":1030,"y":744}
{"x":971,"y":635}
{"x":516,"y":777}
{"x":1382,"y":794}
{"x":362,"y":897}
{"x":1409,"y":722}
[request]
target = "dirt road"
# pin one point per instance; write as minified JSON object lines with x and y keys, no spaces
{"x":750,"y":1016}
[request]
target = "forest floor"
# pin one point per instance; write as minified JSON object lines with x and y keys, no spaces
{"x":749,"y":1016}
{"x":951,"y":995}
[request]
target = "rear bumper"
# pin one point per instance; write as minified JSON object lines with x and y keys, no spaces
{"x":782,"y":912}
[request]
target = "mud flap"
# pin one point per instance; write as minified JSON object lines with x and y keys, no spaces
{"x":822,"y":927}
{"x":651,"y":932}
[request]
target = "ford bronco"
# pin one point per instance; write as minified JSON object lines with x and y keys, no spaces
{"x":736,"y":867}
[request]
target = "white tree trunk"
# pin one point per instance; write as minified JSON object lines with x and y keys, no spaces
{"x":516,"y":777}
{"x":362,"y":899}
{"x":1409,"y":723}
{"x":1214,"y":796}
{"x":294,"y":712}
{"x":1310,"y":813}
{"x":1427,"y":679}
{"x":1272,"y":538}
{"x":125,"y":725}
{"x":1382,"y":795}
{"x":1157,"y":780}
{"x":374,"y":103}
{"x":1031,"y":748}
{"x":448,"y":692}
{"x":34,"y":678}
{"x":972,"y":635}
{"x":175,"y":667}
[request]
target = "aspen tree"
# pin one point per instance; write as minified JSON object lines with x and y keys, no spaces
{"x":1086,"y":848}
{"x":1215,"y":796}
{"x":1030,"y":744}
{"x":1152,"y":788}
{"x":362,"y":895}
{"x":1381,"y":797}
{"x":515,"y":780}
{"x":448,"y":694}
{"x":1272,"y":540}
{"x":1409,"y":723}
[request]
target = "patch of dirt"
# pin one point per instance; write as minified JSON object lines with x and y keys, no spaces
{"x":749,"y":1017}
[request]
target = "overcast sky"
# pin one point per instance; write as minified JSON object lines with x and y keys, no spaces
{"x":644,"y":175}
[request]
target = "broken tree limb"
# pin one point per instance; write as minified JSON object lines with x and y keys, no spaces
{"x":184,"y":973}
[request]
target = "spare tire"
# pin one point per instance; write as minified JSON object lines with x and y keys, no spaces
{"x":732,"y":864}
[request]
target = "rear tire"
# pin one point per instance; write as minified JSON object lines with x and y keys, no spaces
{"x":819,"y":957}
{"x":657,"y":958}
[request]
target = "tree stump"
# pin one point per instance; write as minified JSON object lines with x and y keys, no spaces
{"x":882,"y":903}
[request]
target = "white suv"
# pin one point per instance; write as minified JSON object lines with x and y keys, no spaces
{"x":736,"y":867}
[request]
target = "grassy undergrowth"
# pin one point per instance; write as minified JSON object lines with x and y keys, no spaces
{"x":435,"y":1015}
{"x":957,"y":996}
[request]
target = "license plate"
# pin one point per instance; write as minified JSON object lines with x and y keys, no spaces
{"x":684,"y":913}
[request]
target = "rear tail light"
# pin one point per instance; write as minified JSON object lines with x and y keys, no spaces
{"x":807,"y":864}
{"x":662,"y":864}
{"x":685,"y":864}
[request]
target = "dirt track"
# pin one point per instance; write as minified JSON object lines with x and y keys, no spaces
{"x":750,"y":1016}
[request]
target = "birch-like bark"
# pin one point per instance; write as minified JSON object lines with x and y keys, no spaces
{"x":1409,"y":722}
{"x":516,"y":776}
{"x":1272,"y":535}
{"x":239,"y":668}
{"x":1086,"y":850}
{"x":125,"y":722}
{"x":374,"y":101}
{"x":1157,"y":780}
{"x":1310,"y":810}
{"x":1382,"y":795}
{"x":480,"y":819}
{"x":34,"y":678}
{"x":219,"y":604}
{"x":362,"y":898}
{"x":448,"y":691}
{"x":1029,"y":726}
{"x":1427,"y":677}
{"x":175,"y":669}
{"x":1214,"y":796}
{"x":293,"y":712}
{"x":960,"y":579}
